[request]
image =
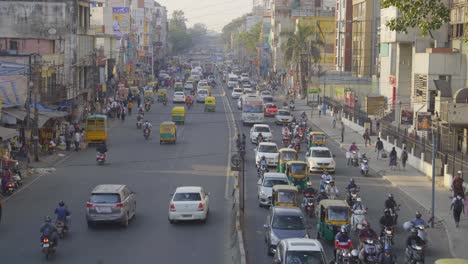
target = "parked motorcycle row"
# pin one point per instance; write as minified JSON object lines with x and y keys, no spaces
{"x":9,"y":186}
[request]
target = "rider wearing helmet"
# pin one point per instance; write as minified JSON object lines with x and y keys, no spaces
{"x":386,"y":221}
{"x":309,"y":192}
{"x":418,"y":220}
{"x":325,"y":177}
{"x":358,"y":205}
{"x":62,"y":213}
{"x":367,"y":232}
{"x":260,"y":138}
{"x":414,"y":238}
{"x":386,"y":257}
{"x":351,"y":185}
{"x":342,"y":240}
{"x":49,"y":230}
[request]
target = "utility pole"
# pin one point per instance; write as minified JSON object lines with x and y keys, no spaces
{"x":434,"y":150}
{"x":36,"y":112}
{"x":28,"y":108}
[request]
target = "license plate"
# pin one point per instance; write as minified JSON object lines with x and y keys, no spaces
{"x":103,"y":209}
{"x":45,"y":245}
{"x":186,"y":215}
{"x":323,"y":167}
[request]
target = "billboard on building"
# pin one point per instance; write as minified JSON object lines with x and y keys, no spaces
{"x":424,"y":121}
{"x":120,"y":20}
{"x":406,"y":118}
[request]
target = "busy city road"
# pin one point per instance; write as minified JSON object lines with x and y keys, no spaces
{"x":151,"y":170}
{"x":374,"y":191}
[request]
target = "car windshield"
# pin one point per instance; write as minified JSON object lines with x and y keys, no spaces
{"x":237,"y":90}
{"x":182,"y":197}
{"x":267,"y":149}
{"x":262,"y":129}
{"x":270,"y":106}
{"x":267,"y":99}
{"x":288,"y":222}
{"x":338,"y":214}
{"x":105,"y":198}
{"x":233,"y":79}
{"x":270,"y":183}
{"x":304,"y":257}
{"x":203,"y":92}
{"x":284,"y":113}
{"x":252,"y":108}
{"x":321,"y":154}
{"x":298,"y":168}
{"x":288,"y":155}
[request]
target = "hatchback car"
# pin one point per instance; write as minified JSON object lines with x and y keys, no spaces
{"x":283,"y":222}
{"x":188,"y":85}
{"x":319,"y":159}
{"x":269,"y":150}
{"x":201,"y":95}
{"x":202,"y":83}
{"x":248,"y":91}
{"x":189,"y":203}
{"x":265,"y":186}
{"x":283,"y":117}
{"x":260,"y":128}
{"x":244,"y":77}
{"x":179,"y":97}
{"x":270,"y":109}
{"x":236,"y":93}
{"x":111,"y":203}
{"x":299,"y":250}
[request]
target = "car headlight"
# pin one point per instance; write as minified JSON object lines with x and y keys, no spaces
{"x":263,"y":193}
{"x":333,"y":163}
{"x":274,"y":240}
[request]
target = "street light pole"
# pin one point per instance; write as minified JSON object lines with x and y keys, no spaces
{"x":434,"y":149}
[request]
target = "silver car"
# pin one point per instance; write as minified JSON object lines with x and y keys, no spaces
{"x":265,"y":186}
{"x":111,"y":203}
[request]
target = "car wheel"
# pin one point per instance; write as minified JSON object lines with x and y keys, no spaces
{"x":125,"y":222}
{"x":270,"y":251}
{"x":171,"y":221}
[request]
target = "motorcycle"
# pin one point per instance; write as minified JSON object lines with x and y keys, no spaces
{"x":353,"y":194}
{"x":369,"y":254}
{"x":146,"y":133}
{"x":61,"y":229}
{"x":292,"y":106}
{"x":100,"y":158}
{"x":357,"y":218}
{"x":393,"y":213}
{"x":387,"y":236}
{"x":297,"y":145}
{"x":309,"y":206}
{"x":364,"y":166}
{"x":354,"y":158}
{"x":10,"y":188}
{"x":300,"y":133}
{"x":286,"y":140}
{"x":139,"y":124}
{"x":262,"y":170}
{"x":48,"y":247}
{"x":17,"y":178}
{"x":343,"y":256}
{"x":414,"y":254}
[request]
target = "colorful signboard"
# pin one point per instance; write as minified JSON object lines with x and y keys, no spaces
{"x":406,"y":118}
{"x":120,"y":20}
{"x":424,"y":121}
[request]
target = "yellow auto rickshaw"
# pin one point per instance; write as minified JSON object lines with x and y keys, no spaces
{"x":162,"y":95}
{"x":298,"y":173}
{"x":96,"y":129}
{"x":285,"y":155}
{"x":178,"y":87}
{"x":149,"y":95}
{"x":153,"y":85}
{"x":451,"y":261}
{"x":134,"y":90}
{"x":284,"y":195}
{"x":317,"y":139}
{"x":178,"y":114}
{"x":210,"y":104}
{"x":331,"y":215}
{"x":208,"y":88}
{"x":167,"y":132}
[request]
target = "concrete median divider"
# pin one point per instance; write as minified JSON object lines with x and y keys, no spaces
{"x":238,"y":255}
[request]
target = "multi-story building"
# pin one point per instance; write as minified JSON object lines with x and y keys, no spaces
{"x":58,"y":33}
{"x":344,"y":31}
{"x":366,"y":20}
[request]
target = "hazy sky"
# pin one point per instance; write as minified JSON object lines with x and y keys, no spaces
{"x":214,"y":13}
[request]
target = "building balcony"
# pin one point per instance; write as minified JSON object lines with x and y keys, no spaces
{"x":302,"y":12}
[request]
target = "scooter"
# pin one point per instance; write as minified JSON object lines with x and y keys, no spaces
{"x":370,"y":252}
{"x":146,"y":133}
{"x":100,"y":158}
{"x":48,"y":247}
{"x":353,"y":194}
{"x":309,"y":206}
{"x":387,"y":236}
{"x":139,"y":124}
{"x":354,"y":158}
{"x":365,"y":166}
{"x":357,"y":218}
{"x":414,"y":254}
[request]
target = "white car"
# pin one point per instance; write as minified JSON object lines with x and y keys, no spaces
{"x":179,"y":97}
{"x":283,"y":117}
{"x":202,"y":83}
{"x":188,"y":85}
{"x":265,"y":92}
{"x":320,"y":158}
{"x":260,"y":128}
{"x":265,"y":186}
{"x":248,"y":91}
{"x":244,"y":77}
{"x":269,"y":150}
{"x":201,"y":95}
{"x":189,"y":203}
{"x":236,"y":93}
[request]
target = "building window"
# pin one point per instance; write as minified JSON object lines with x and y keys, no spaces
{"x":13,"y":45}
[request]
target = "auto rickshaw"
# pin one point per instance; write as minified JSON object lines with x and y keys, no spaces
{"x":284,"y":195}
{"x":153,"y":85}
{"x":96,"y":129}
{"x":210,"y":104}
{"x":208,"y":88}
{"x":162,"y":95}
{"x":297,"y":172}
{"x":317,"y":139}
{"x":149,"y":95}
{"x":178,"y":114}
{"x":134,"y":90}
{"x":285,"y":155}
{"x":178,"y":87}
{"x":331,"y":215}
{"x":167,"y":132}
{"x":451,"y":261}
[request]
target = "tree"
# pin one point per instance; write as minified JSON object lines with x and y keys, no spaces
{"x":249,"y":39}
{"x":178,"y":35}
{"x":232,"y":27}
{"x":198,"y":32}
{"x":300,"y":48}
{"x":426,"y":15}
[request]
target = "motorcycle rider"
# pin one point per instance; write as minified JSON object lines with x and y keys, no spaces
{"x":368,"y":249}
{"x":49,"y":230}
{"x":418,"y":221}
{"x":353,"y":147}
{"x":285,"y":131}
{"x":342,"y":241}
{"x":140,"y":111}
{"x":386,"y":221}
{"x":414,"y":239}
{"x":391,"y":204}
{"x":62,"y":213}
{"x":386,"y":257}
{"x":102,"y":148}
{"x":262,"y":163}
{"x":309,"y":191}
{"x":367,"y":232}
{"x":351,"y":185}
{"x":325,"y":177}
{"x":332,"y":190}
{"x":322,"y":196}
{"x":260,"y":138}
{"x":356,"y":207}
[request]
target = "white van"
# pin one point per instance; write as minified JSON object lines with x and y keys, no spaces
{"x":233,"y":80}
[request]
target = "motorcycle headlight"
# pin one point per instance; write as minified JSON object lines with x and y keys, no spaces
{"x":274,"y":240}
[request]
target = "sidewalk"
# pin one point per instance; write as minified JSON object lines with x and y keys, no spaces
{"x":410,"y":181}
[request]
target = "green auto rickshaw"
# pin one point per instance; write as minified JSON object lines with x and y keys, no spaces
{"x":298,"y":173}
{"x":331,"y":215}
{"x":285,"y":155}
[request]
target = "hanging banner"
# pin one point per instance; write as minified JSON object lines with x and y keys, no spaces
{"x":120,"y":20}
{"x":424,"y":121}
{"x":406,"y":118}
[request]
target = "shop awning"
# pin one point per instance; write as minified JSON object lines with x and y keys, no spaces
{"x":44,"y":115}
{"x":18,"y":113}
{"x":7,"y":133}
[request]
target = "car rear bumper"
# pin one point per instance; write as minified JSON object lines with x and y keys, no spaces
{"x":106,"y":218}
{"x":264,"y":200}
{"x":187,"y":216}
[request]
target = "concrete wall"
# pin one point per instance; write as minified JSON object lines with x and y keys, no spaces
{"x":28,"y":46}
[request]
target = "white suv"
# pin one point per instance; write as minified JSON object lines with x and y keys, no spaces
{"x":260,"y":128}
{"x":319,"y":159}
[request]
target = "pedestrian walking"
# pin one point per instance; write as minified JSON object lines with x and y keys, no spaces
{"x":366,"y":137}
{"x":457,"y":208}
{"x":320,"y":110}
{"x":130,"y":106}
{"x":457,"y":185}
{"x":393,"y":158}
{"x":334,"y":120}
{"x":404,"y":157}
{"x":77,"y":139}
{"x":342,"y":132}
{"x":379,"y":148}
{"x":377,"y":125}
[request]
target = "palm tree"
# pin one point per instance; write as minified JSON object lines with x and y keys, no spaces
{"x":300,"y":48}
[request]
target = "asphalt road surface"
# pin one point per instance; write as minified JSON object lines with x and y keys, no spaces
{"x":374,"y":191}
{"x":153,"y":171}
